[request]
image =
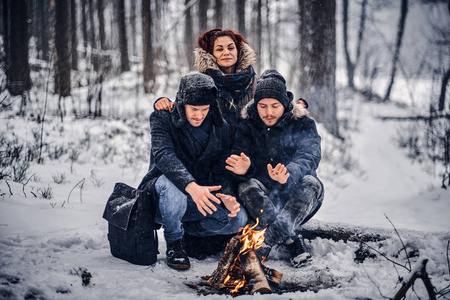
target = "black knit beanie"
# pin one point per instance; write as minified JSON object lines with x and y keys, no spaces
{"x":197,"y":89}
{"x":272,"y":84}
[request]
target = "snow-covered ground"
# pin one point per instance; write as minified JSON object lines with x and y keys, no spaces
{"x":45,"y":244}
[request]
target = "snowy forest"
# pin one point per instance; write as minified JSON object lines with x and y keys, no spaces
{"x":78,"y":80}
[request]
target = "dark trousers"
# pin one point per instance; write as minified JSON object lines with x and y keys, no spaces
{"x":282,"y":213}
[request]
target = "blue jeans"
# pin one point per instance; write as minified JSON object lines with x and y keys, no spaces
{"x":177,"y":212}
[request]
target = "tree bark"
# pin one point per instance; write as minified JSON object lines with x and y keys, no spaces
{"x":188,"y":38}
{"x":240,"y":13}
{"x":133,"y":27}
{"x":101,"y":24}
{"x":444,"y":84}
{"x":258,"y":36}
{"x":147,"y":51}
{"x":398,"y":44}
{"x":73,"y":31}
{"x":84,"y":30}
{"x":202,"y":15}
{"x":123,"y":44}
{"x":16,"y":47}
{"x":62,"y":52}
{"x":318,"y":60}
{"x":219,"y":13}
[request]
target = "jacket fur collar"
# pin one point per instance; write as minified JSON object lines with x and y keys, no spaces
{"x":297,"y":111}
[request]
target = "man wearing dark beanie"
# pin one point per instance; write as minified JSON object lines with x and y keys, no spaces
{"x":187,"y":174}
{"x":275,"y":156}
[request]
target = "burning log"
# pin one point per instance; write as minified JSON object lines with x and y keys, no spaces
{"x":240,"y":269}
{"x":257,"y":279}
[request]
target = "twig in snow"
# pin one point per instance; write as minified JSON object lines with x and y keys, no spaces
{"x":9,"y":187}
{"x":24,"y":184}
{"x":81,"y":189}
{"x":404,"y":247}
{"x":419,"y":271}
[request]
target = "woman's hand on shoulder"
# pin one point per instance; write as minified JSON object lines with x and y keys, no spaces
{"x":164,"y":104}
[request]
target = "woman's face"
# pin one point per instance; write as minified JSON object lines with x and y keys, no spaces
{"x":225,"y":52}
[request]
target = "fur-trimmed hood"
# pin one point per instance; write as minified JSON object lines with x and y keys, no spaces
{"x":204,"y":60}
{"x":297,"y":111}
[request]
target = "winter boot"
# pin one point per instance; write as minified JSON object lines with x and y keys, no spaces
{"x":176,"y":257}
{"x":299,"y":253}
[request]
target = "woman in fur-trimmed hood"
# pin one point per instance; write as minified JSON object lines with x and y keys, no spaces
{"x":226,"y":56}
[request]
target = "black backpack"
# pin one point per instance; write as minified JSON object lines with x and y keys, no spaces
{"x":131,"y":229}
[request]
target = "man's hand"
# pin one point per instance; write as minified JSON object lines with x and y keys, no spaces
{"x":279,"y":173}
{"x":202,"y":196}
{"x":238,"y":164}
{"x":164,"y":104}
{"x":230,"y":203}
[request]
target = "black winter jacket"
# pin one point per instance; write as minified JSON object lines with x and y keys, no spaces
{"x":172,"y":149}
{"x":292,"y":141}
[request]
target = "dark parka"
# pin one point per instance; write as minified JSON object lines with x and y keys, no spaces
{"x":173,"y":149}
{"x":292,"y":141}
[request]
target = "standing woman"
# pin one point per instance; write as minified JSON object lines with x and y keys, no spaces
{"x":226,"y":56}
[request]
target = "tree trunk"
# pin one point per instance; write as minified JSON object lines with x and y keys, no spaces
{"x":84,"y":30}
{"x":62,"y":53}
{"x":258,"y":38}
{"x":318,"y":60}
{"x":398,"y":44}
{"x":16,"y":47}
{"x":202,"y":15}
{"x":92,"y":39}
{"x":42,"y":23}
{"x":350,"y":65}
{"x":124,"y":62}
{"x":219,"y":13}
{"x":101,"y":24}
{"x":444,"y":84}
{"x":147,"y":51}
{"x":133,"y":27}
{"x":73,"y":31}
{"x":240,"y":13}
{"x":188,"y":38}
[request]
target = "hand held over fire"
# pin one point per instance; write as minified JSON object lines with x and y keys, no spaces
{"x":279,"y":173}
{"x":238,"y":164}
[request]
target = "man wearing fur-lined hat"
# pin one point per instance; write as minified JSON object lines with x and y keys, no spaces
{"x":275,"y":155}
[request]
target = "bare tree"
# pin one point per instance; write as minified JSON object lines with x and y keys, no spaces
{"x":398,"y":44}
{"x":202,"y":15}
{"x":73,"y":31}
{"x":258,"y":33}
{"x":240,"y":14}
{"x":62,"y":52}
{"x":133,"y":26}
{"x":84,"y":30}
{"x":188,"y":38}
{"x":352,"y":65}
{"x":124,"y":62}
{"x":444,"y":84}
{"x":101,"y":24}
{"x":318,"y":60}
{"x":219,"y":13}
{"x":16,"y":48}
{"x":147,"y":51}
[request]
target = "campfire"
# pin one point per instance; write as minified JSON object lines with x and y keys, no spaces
{"x":240,"y":271}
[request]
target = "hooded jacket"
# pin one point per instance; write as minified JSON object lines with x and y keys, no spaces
{"x":293,"y":141}
{"x":176,"y":152}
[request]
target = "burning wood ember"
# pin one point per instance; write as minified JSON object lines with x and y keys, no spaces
{"x":240,"y":271}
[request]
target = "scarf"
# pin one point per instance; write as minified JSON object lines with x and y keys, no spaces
{"x":232,"y":89}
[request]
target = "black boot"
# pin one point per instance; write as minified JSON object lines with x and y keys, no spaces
{"x":176,"y":257}
{"x":299,"y":252}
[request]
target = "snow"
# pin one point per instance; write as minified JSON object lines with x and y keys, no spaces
{"x":46,"y":243}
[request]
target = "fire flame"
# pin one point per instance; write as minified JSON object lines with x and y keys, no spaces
{"x":251,"y":239}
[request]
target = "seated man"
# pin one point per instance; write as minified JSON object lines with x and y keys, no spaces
{"x":275,"y":156}
{"x":189,"y":149}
